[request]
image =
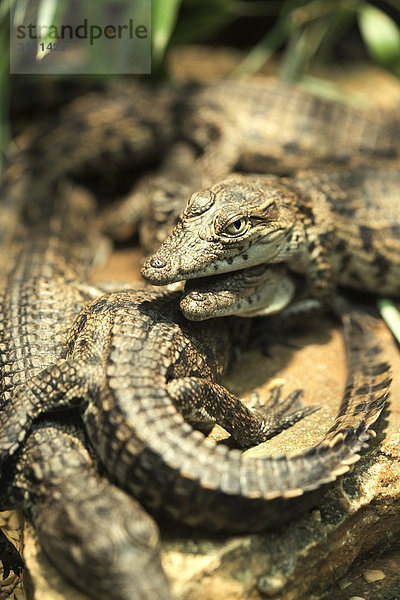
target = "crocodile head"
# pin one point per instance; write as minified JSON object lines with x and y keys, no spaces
{"x":260,"y":290}
{"x":238,"y":223}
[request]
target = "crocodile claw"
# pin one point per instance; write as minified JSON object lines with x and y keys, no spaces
{"x":281,"y":413}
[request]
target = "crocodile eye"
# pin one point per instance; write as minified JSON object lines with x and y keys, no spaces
{"x":236,"y":227}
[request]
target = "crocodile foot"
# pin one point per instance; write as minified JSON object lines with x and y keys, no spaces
{"x":279,"y":413}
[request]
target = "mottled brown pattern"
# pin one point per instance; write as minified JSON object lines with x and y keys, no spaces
{"x":332,"y":226}
{"x":134,"y":417}
{"x":53,"y":479}
{"x":260,"y":125}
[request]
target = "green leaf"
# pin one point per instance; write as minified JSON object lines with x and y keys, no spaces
{"x":201,"y":21}
{"x":18,"y":9}
{"x":47,"y":11}
{"x":314,"y":30}
{"x":4,"y":96}
{"x":163,"y":17}
{"x":391,"y":316}
{"x":263,"y":51}
{"x":50,"y":12}
{"x":324,"y":88}
{"x":380,"y":33}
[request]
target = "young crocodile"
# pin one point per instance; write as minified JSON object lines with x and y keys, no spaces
{"x":335,"y":227}
{"x":268,"y":126}
{"x":139,"y":368}
{"x":260,"y":125}
{"x":41,"y":296}
{"x":97,"y":536}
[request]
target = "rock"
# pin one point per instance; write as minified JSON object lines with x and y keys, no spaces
{"x":305,"y":557}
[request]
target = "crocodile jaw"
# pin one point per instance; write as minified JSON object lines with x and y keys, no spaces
{"x":258,"y":290}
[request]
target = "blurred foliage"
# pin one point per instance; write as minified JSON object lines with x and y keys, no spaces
{"x":303,"y":31}
{"x":381,"y":36}
{"x":50,"y":11}
{"x":391,"y":316}
{"x":164,"y":16}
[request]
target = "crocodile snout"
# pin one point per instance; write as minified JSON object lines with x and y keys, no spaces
{"x":158,"y":270}
{"x":178,"y":258}
{"x":197,"y":306}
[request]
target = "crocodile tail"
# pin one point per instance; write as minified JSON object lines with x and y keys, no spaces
{"x":368,"y":380}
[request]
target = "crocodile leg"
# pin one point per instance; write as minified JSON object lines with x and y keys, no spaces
{"x":56,"y":387}
{"x":74,"y":382}
{"x":195,"y":397}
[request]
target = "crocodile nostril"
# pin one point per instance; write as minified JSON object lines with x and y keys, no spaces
{"x":196,"y":296}
{"x":158,"y":263}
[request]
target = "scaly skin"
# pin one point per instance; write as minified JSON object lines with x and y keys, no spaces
{"x":105,"y":129}
{"x":261,"y":125}
{"x":135,"y":416}
{"x":31,"y":322}
{"x":258,"y":291}
{"x":267,"y":126}
{"x":335,"y":227}
{"x":45,"y":290}
{"x":53,"y":478}
{"x":94,"y":533}
{"x":123,"y":127}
